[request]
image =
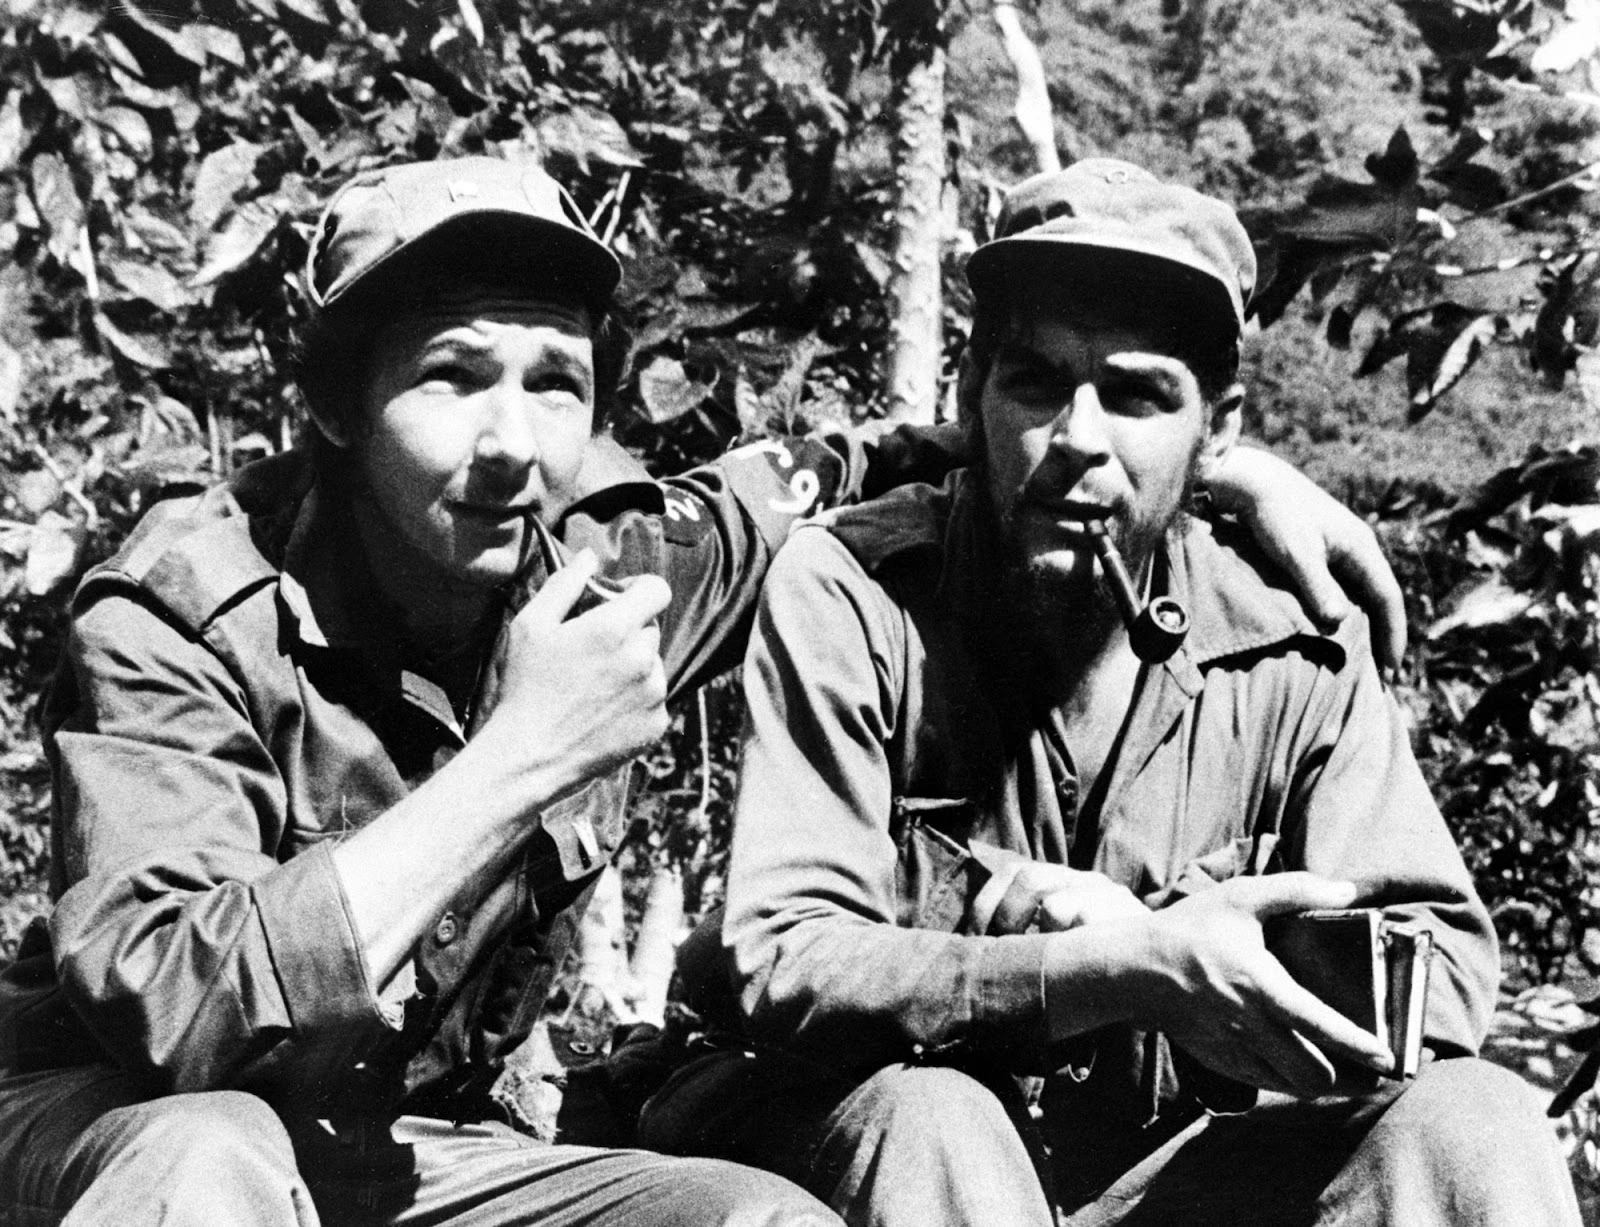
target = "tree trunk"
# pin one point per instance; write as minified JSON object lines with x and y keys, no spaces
{"x":601,"y":946}
{"x":916,"y":334}
{"x":657,"y":943}
{"x":1032,"y":113}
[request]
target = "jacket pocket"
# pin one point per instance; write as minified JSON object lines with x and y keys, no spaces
{"x":936,"y":875}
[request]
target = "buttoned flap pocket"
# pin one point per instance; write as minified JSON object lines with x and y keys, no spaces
{"x":937,"y":877}
{"x":583,"y":831}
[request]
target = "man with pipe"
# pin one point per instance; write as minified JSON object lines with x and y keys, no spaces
{"x":1033,"y":759}
{"x":340,"y":748}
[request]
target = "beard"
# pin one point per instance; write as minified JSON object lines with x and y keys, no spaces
{"x":1073,"y":604}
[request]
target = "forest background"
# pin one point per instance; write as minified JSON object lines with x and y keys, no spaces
{"x":1420,"y":176}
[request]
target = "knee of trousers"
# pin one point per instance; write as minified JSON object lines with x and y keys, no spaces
{"x":1470,"y":1120}
{"x":733,"y":1195}
{"x":213,"y":1135}
{"x":927,"y":1110}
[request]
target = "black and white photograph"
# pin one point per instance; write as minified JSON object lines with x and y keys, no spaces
{"x":799,"y":613}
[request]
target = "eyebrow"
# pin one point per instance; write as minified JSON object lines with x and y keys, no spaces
{"x":464,"y":339}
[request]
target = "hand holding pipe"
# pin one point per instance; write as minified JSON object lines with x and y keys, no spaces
{"x":1154,"y":632}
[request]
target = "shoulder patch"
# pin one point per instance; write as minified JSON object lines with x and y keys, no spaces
{"x":685,"y":518}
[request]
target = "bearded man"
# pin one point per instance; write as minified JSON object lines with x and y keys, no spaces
{"x":1004,"y":857}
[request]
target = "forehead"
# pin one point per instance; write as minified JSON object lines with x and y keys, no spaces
{"x":485,"y":318}
{"x":1070,"y":332}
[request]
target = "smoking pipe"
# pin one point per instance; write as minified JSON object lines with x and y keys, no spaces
{"x":1154,"y":632}
{"x":597,"y":589}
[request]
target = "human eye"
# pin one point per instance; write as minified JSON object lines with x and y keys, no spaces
{"x":559,"y":383}
{"x":447,"y":371}
{"x":1028,"y":380}
{"x":1138,"y":395}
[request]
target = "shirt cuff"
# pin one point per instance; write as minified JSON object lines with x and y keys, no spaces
{"x":1010,"y":1014}
{"x":322,"y":970}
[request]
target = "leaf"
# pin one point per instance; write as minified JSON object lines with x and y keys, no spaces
{"x":36,"y":491}
{"x":12,"y":134}
{"x":166,"y":56}
{"x":748,"y":405}
{"x":157,"y":234}
{"x":1341,"y":321}
{"x":1437,"y":362}
{"x":667,"y":391}
{"x":169,"y":464}
{"x":1491,"y":603}
{"x":54,"y":546}
{"x":142,"y":353}
{"x":709,"y":315}
{"x":1587,"y":369}
{"x":57,"y":201}
{"x":167,"y":416}
{"x":74,"y":24}
{"x":149,"y":283}
{"x":10,"y":381}
{"x":471,"y":19}
{"x":218,"y":43}
{"x":223,"y":174}
{"x":236,"y":244}
{"x":129,"y":127}
{"x":1395,"y":168}
{"x":584,"y":135}
{"x":1574,"y":40}
{"x":311,"y":11}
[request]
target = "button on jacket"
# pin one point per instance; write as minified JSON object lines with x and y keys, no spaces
{"x":897,"y":770}
{"x":232,"y":701}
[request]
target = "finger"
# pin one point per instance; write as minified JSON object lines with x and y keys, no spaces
{"x":1299,"y":1065}
{"x":1320,"y":1024}
{"x":642,"y":599}
{"x":1359,"y":563}
{"x":1236,"y":1061}
{"x":560,"y":592}
{"x":1320,"y":593}
{"x":1276,"y":894}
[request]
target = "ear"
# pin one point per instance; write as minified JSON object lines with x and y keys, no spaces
{"x":970,"y":379}
{"x":1227,"y":416}
{"x":328,"y":425}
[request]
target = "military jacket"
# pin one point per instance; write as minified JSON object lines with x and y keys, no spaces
{"x":896,"y":767}
{"x":232,"y":702}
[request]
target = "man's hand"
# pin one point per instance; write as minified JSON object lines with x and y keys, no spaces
{"x":1067,"y":898}
{"x":578,"y":696}
{"x":1327,"y":550}
{"x":1218,"y":993}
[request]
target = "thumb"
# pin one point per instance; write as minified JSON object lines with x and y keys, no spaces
{"x":1276,"y":894}
{"x":560,"y":592}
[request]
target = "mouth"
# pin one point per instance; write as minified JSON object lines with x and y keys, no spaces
{"x":1075,"y":514}
{"x":494,"y":513}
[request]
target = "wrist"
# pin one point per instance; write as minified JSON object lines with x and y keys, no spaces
{"x":1244,"y":479}
{"x":1099,"y":974}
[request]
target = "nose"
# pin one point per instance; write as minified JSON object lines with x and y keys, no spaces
{"x":1079,"y":431}
{"x":508,"y":436}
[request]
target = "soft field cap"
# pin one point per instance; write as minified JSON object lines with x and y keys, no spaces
{"x":1104,"y":205}
{"x":508,"y":217}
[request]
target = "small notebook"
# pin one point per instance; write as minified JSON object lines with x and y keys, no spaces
{"x":1372,"y":970}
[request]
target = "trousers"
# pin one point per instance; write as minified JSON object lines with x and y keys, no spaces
{"x":85,"y":1147}
{"x":911,"y":1145}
